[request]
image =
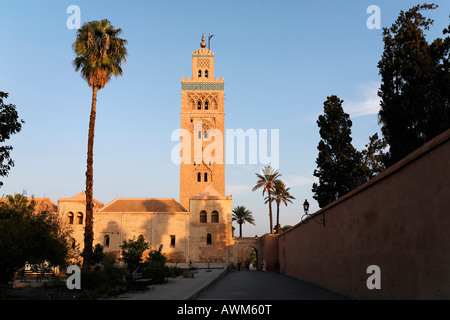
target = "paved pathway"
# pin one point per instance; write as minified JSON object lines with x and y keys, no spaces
{"x":258,"y":285}
{"x":181,"y":288}
{"x":217,"y":283}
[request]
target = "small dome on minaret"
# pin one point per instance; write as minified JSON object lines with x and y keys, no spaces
{"x":203,"y":44}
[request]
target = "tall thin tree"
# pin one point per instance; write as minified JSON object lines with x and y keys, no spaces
{"x":266,"y":181}
{"x":338,"y":162}
{"x":281,"y":195}
{"x":100,"y":54}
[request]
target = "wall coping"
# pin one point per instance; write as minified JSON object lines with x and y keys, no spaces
{"x":401,"y":164}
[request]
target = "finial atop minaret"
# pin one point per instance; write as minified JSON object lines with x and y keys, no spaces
{"x":203,"y":44}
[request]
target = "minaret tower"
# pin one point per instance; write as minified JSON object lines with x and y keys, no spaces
{"x":202,"y":115}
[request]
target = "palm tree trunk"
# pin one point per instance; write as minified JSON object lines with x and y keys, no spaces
{"x":270,"y":214}
{"x":278,"y":217}
{"x":240,"y":230}
{"x":89,"y":228}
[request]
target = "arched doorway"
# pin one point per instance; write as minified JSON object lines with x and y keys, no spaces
{"x":249,"y":255}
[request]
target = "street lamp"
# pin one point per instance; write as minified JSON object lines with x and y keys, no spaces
{"x":306,"y":210}
{"x":306,"y":206}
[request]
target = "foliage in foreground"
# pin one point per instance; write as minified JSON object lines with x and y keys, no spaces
{"x":29,"y":236}
{"x":155,"y":267}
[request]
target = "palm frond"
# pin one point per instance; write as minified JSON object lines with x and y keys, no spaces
{"x":100,"y":52}
{"x":242,"y":215}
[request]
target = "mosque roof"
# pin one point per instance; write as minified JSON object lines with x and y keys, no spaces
{"x":81,"y":197}
{"x":143,"y":205}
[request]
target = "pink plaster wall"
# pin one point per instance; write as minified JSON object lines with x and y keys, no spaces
{"x":399,"y":221}
{"x":269,"y":251}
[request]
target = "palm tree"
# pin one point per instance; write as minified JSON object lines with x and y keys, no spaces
{"x":267,"y":182}
{"x":242,"y":215}
{"x":280,"y":194}
{"x":100,"y":53}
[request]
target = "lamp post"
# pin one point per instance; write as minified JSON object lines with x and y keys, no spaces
{"x":306,"y":215}
{"x":306,"y":206}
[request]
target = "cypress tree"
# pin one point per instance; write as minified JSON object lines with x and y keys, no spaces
{"x":338,"y":162}
{"x":415,"y":88}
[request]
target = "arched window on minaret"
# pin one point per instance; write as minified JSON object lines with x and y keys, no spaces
{"x":203,"y":217}
{"x":208,"y":239}
{"x":199,"y":177}
{"x":206,"y":105}
{"x":80,"y":218}
{"x":206,"y":176}
{"x":106,"y":241}
{"x":206,"y":73}
{"x":199,"y":73}
{"x":215,"y":216}
{"x":70,"y":217}
{"x":199,"y":105}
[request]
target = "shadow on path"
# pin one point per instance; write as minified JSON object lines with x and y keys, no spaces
{"x":258,"y":285}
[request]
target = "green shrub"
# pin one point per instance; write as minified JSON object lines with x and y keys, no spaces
{"x":155,"y":267}
{"x":154,"y":271}
{"x":174,"y":272}
{"x":106,"y":282}
{"x":159,"y":273}
{"x":132,"y":251}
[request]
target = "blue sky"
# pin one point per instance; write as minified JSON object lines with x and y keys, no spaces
{"x":280,"y":60}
